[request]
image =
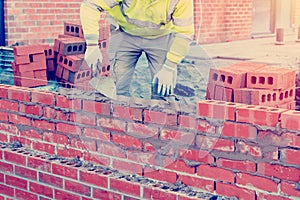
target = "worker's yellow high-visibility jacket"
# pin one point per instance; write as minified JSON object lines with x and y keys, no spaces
{"x":145,"y":18}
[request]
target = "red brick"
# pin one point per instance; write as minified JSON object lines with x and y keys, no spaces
{"x":205,"y":126}
{"x":127,"y":113}
{"x":64,"y":102}
{"x":73,"y":63}
{"x":246,"y":131}
{"x":6,"y":190}
{"x":124,"y":186}
{"x":15,"y":157}
{"x":96,"y":134}
{"x":66,"y":171}
{"x":289,"y":189}
{"x":111,"y":150}
{"x":223,"y":93}
{"x":83,"y":143}
{"x":43,"y":97}
{"x":196,"y":155}
{"x":127,"y":166}
{"x":270,"y":77}
{"x":20,"y":194}
{"x":21,"y":59}
{"x":142,"y":130}
{"x":51,"y":180}
{"x":112,"y":124}
{"x":187,"y":122}
{"x":259,"y":115}
{"x":76,"y":77}
{"x":193,"y":181}
{"x":8,"y":105}
{"x":261,"y":196}
{"x":25,"y":172}
{"x":38,"y":164}
{"x":1,"y":178}
{"x":103,"y":194}
{"x":126,"y":140}
{"x":69,"y":46}
{"x":3,"y":136}
{"x":44,"y":147}
{"x":19,"y":94}
{"x":73,"y":29}
{"x":249,"y":149}
{"x":210,"y":91}
{"x":160,"y":118}
{"x":29,"y":49}
{"x":68,"y":152}
{"x":97,"y":159}
{"x":94,"y":178}
{"x":234,"y":191}
{"x":78,"y":188}
{"x":17,"y":119}
{"x":30,"y":67}
{"x":31,"y":109}
{"x":3,"y":91}
{"x":209,"y":143}
{"x":177,"y":135}
{"x":58,"y":194}
{"x":49,"y":52}
{"x":25,"y":82}
{"x":6,"y":167}
{"x":291,"y":120}
{"x":217,"y":109}
{"x":43,"y":124}
{"x":181,"y":166}
{"x":215,"y":173}
{"x":83,"y":118}
{"x":278,"y":171}
{"x":41,"y":189}
{"x":256,"y":181}
{"x":239,"y":165}
{"x":55,"y":138}
{"x":68,"y":128}
{"x":156,"y":193}
{"x":9,"y":128}
{"x":161,"y":175}
{"x":16,"y":182}
{"x":226,"y":77}
{"x":96,"y":107}
{"x":40,"y":74}
{"x":290,"y":156}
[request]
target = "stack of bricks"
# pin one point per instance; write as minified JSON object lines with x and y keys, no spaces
{"x":72,"y":70}
{"x":70,"y":48}
{"x":29,"y":66}
{"x":253,"y":84}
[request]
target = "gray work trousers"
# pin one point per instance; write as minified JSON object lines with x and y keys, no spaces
{"x":124,"y":51}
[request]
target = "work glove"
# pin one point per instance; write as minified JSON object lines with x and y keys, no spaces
{"x":93,"y":57}
{"x":164,"y":81}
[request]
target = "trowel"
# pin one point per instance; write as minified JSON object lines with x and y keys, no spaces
{"x":104,"y":85}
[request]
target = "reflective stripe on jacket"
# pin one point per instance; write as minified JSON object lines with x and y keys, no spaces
{"x":146,"y":18}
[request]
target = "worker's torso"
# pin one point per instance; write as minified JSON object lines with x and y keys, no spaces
{"x":148,"y":18}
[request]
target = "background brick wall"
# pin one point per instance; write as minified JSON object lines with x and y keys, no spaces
{"x":41,"y":21}
{"x":251,"y":152}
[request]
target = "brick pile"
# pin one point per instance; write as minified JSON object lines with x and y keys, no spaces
{"x":63,"y":61}
{"x":29,"y":66}
{"x":253,"y":84}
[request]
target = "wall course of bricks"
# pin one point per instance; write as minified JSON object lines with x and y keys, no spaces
{"x":234,"y":157}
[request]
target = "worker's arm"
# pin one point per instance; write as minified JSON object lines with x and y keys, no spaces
{"x":89,"y":17}
{"x":183,"y":27}
{"x":164,"y":81}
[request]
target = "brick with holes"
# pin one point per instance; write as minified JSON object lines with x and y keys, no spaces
{"x":76,"y":77}
{"x":73,"y":29}
{"x":73,"y":62}
{"x":270,"y":77}
{"x":69,"y":46}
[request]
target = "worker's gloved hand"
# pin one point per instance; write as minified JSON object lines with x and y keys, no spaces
{"x":164,"y":80}
{"x":93,"y":57}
